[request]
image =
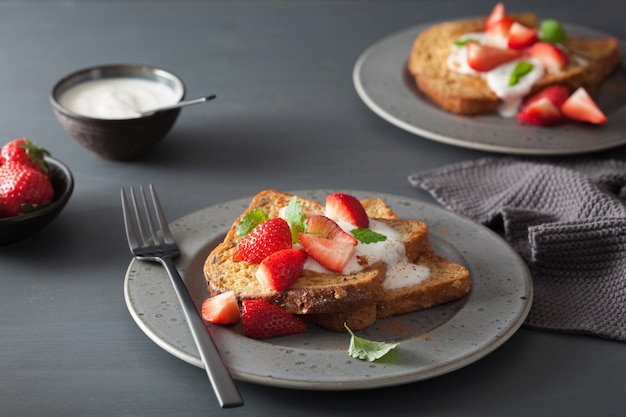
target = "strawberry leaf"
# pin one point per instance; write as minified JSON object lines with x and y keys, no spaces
{"x":250,"y":220}
{"x":295,"y":218}
{"x":367,"y":235}
{"x":369,"y":350}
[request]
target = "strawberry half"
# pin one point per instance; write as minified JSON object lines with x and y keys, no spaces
{"x":521,"y":36}
{"x":331,"y":254}
{"x":221,"y":308}
{"x":485,"y":58}
{"x":346,"y":207}
{"x":581,"y":107}
{"x":557,"y":94}
{"x":497,"y":13}
{"x":551,"y":56}
{"x":281,"y":269}
{"x":266,"y":238}
{"x":261,"y":320}
{"x":325,"y":227}
{"x":540,"y":112}
{"x":498,"y":33}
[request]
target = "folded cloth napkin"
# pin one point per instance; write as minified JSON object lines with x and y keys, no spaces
{"x":566,"y":218}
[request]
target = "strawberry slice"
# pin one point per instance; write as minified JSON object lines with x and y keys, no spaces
{"x":331,"y":254}
{"x":325,"y":227}
{"x":581,"y":107}
{"x":266,"y":238}
{"x":498,"y":33}
{"x":485,"y":58}
{"x":345,"y":207}
{"x":540,"y":112}
{"x":497,"y":13}
{"x":221,"y":308}
{"x":521,"y":36}
{"x":552,"y":57}
{"x":261,"y":320}
{"x":557,"y":94}
{"x":281,"y":269}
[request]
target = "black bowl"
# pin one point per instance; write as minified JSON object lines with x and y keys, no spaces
{"x":117,"y":139}
{"x":15,"y":229}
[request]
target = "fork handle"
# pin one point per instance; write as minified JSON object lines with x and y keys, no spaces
{"x":223,"y":384}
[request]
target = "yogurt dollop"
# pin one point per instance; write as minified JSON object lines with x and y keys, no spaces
{"x":117,"y":98}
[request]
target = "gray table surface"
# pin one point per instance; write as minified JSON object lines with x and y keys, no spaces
{"x":287,"y":117}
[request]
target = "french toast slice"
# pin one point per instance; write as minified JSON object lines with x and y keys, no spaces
{"x":468,"y":94}
{"x":314,"y":292}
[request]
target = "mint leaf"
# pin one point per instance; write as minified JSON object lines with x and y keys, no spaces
{"x":250,"y":220}
{"x":465,"y":42}
{"x":295,"y":218}
{"x":552,"y":31}
{"x":366,"y":349}
{"x":367,"y":235}
{"x":522,"y":68}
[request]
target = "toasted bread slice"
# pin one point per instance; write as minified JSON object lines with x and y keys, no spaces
{"x":470,"y":95}
{"x":314,"y":292}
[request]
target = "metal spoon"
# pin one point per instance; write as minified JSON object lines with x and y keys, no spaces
{"x":177,"y":105}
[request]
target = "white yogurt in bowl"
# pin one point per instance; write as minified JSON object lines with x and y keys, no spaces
{"x":117,"y":98}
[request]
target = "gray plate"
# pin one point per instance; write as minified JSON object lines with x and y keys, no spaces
{"x":383,"y":83}
{"x":432,"y":342}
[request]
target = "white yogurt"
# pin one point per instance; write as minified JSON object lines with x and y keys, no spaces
{"x":117,"y":98}
{"x":400,"y":272}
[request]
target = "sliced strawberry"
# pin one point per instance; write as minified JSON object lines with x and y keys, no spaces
{"x":485,"y":58}
{"x":281,"y":269}
{"x":323,"y":226}
{"x":497,"y":13}
{"x":345,"y":207}
{"x":581,"y":107}
{"x":521,"y":36}
{"x":540,"y":112}
{"x":331,"y":254}
{"x":266,"y":238}
{"x":221,"y":308}
{"x":261,"y":320}
{"x":557,"y":94}
{"x":552,"y":57}
{"x":498,"y":33}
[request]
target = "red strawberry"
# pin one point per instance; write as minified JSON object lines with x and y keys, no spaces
{"x":331,"y":254}
{"x":557,"y":94}
{"x":261,"y":320}
{"x":498,"y":32}
{"x":26,"y":153}
{"x":521,"y":36}
{"x":221,"y":308}
{"x":266,"y":238}
{"x":552,"y":57}
{"x":540,"y":112}
{"x":485,"y":58}
{"x":22,"y":189}
{"x":497,"y":13}
{"x":581,"y":107}
{"x":345,"y":207}
{"x":281,"y":269}
{"x":325,"y":227}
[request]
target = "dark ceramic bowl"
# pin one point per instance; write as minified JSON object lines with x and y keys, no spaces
{"x":117,"y":139}
{"x":15,"y":229}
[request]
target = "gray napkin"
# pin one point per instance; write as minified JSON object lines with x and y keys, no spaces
{"x":566,"y":218}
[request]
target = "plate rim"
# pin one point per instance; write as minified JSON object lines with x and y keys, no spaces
{"x":364,"y":383}
{"x":362,"y":91}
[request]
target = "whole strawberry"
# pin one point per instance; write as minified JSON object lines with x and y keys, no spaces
{"x":25,"y":152}
{"x":266,"y":238}
{"x":22,"y":189}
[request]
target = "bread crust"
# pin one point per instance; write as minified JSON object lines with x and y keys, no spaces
{"x":469,"y":94}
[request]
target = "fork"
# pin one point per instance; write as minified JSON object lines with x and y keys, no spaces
{"x":159,"y":246}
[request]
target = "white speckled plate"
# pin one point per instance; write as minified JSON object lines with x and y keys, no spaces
{"x":432,"y":342}
{"x":383,"y":83}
